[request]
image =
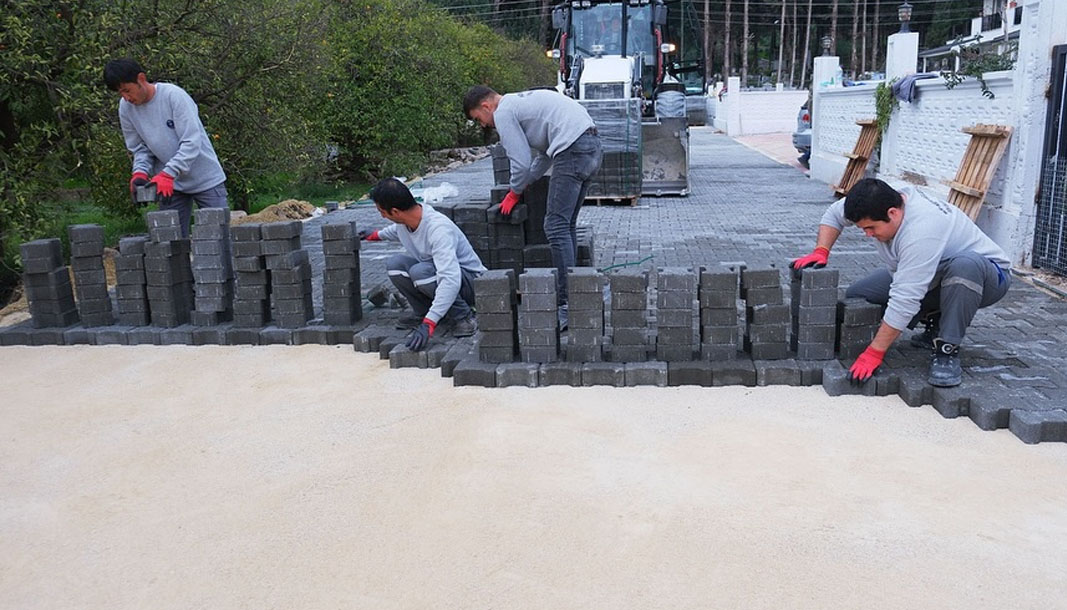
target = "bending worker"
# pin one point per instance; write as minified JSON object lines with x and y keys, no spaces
{"x":436,"y":275}
{"x":940,"y":270}
{"x":541,"y":129}
{"x":163,"y":132}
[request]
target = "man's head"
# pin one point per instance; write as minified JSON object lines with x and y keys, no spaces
{"x":392,"y":198}
{"x":875,"y":207}
{"x":128,"y":78}
{"x":480,"y":103}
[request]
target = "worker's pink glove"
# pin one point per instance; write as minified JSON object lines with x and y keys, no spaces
{"x":817,"y":259}
{"x":136,"y":180}
{"x":865,"y":365}
{"x":164,"y":186}
{"x":509,"y":202}
{"x":369,"y":235}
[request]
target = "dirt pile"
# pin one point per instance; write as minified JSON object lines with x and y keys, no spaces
{"x":290,"y":209}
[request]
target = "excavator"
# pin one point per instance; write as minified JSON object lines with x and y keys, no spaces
{"x":637,"y":66}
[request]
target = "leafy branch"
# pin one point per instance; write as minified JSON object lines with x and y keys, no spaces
{"x":975,"y":61}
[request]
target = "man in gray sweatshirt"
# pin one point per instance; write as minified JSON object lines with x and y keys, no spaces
{"x":163,"y":132}
{"x":940,"y":270}
{"x":437,"y":273}
{"x":541,"y":129}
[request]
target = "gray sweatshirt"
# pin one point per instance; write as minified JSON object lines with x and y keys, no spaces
{"x":931,"y":231}
{"x":438,"y":240}
{"x":534,"y":127}
{"x":165,"y":134}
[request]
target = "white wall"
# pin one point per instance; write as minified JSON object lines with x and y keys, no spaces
{"x":770,"y":111}
{"x":834,"y":130}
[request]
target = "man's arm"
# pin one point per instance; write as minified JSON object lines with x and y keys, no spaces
{"x":514,"y":141}
{"x":190,"y":132}
{"x":143,"y":159}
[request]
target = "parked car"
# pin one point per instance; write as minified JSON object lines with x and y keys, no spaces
{"x":802,"y":136}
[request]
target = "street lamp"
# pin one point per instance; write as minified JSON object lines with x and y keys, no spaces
{"x":827,"y":42}
{"x":904,"y":15}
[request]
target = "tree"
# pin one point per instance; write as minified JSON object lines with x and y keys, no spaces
{"x":853,"y":66}
{"x":726,"y":43}
{"x":833,"y":25}
{"x":781,"y":42}
{"x":807,"y":48}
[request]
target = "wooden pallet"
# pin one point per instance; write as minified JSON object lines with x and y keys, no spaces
{"x":630,"y":201}
{"x":968,"y":190}
{"x":859,"y":157}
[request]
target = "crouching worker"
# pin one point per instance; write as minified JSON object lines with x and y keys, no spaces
{"x":940,"y":269}
{"x":437,"y":272}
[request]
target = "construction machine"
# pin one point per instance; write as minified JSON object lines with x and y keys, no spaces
{"x":637,"y":66}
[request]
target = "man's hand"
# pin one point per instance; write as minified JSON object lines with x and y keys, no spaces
{"x":419,"y":337}
{"x":509,"y":202}
{"x":164,"y":187}
{"x":865,"y":366}
{"x":817,"y":259}
{"x":365,"y":235}
{"x":136,"y":180}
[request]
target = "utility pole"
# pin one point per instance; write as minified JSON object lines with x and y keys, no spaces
{"x":807,"y":48}
{"x":707,"y":43}
{"x":781,"y":42}
{"x":726,"y":46}
{"x":744,"y":49}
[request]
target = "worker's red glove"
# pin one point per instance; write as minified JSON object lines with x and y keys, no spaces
{"x":136,"y":180}
{"x":164,"y":186}
{"x":369,"y":235}
{"x":419,"y":337}
{"x":817,"y":259}
{"x":865,"y":365}
{"x":509,"y":202}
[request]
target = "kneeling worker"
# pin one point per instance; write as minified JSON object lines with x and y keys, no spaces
{"x":436,"y":275}
{"x":941,"y":270}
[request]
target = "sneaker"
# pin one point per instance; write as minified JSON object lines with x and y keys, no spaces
{"x":408,"y":322}
{"x":465,"y":327}
{"x":945,"y":371}
{"x":925,"y":339}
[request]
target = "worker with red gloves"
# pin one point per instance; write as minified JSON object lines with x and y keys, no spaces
{"x":170,"y":147}
{"x":940,"y":270}
{"x":540,"y":129}
{"x":436,"y":274}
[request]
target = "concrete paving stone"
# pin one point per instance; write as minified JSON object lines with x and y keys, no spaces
{"x":534,"y":302}
{"x":767,"y":351}
{"x":436,"y":352}
{"x":675,"y":318}
{"x":496,"y":321}
{"x":292,"y":260}
{"x":717,"y":352}
{"x":626,"y":353}
{"x":402,"y":357}
{"x":675,"y":353}
{"x":473,"y":372}
{"x":585,"y":301}
{"x":212,"y":261}
{"x":50,"y":249}
{"x":87,"y":263}
{"x":767,"y":314}
{"x":494,"y":303}
{"x":341,"y":248}
{"x":717,"y":299}
{"x":212,"y":335}
{"x":763,"y":296}
{"x":497,"y":338}
{"x":56,"y":292}
{"x":143,"y":335}
{"x":718,"y":316}
{"x":281,"y":230}
{"x":133,"y":244}
{"x":250,"y":307}
{"x":1039,"y":426}
{"x":94,"y":292}
{"x":77,"y":335}
{"x":818,"y":297}
{"x":819,"y":278}
{"x":86,"y":250}
{"x":560,"y":373}
{"x":584,"y":353}
{"x":625,"y":280}
{"x":52,"y":277}
{"x":247,"y":249}
{"x":292,"y":321}
{"x":538,"y":281}
{"x":537,"y":320}
{"x":94,"y":276}
{"x":370,"y":339}
{"x":675,"y":300}
{"x":952,"y":402}
{"x":211,"y":216}
{"x":177,"y":335}
{"x":343,"y":318}
{"x":457,"y":352}
{"x":224,"y":289}
{"x":546,"y":337}
{"x":496,"y":354}
{"x":162,"y":218}
{"x":630,"y":336}
{"x":816,"y":316}
{"x":209,"y":318}
{"x":630,"y":318}
{"x":539,"y":354}
{"x":339,"y":231}
{"x":585,"y":280}
{"x":37,"y":266}
{"x":174,"y":248}
{"x":603,"y":373}
{"x":390,"y":341}
{"x":777,"y":372}
{"x":753,"y":278}
{"x":886,"y":383}
{"x":242,"y":336}
{"x":740,"y":371}
{"x":816,"y":334}
{"x":767,"y":333}
{"x":210,"y":232}
{"x":652,"y":373}
{"x":719,"y":335}
{"x":518,"y":214}
{"x":124,"y":262}
{"x":814,"y":351}
{"x":48,"y":336}
{"x":165,"y":234}
{"x":522,"y":374}
{"x":246,"y":232}
{"x":629,"y":301}
{"x":718,"y":280}
{"x":858,"y":312}
{"x":495,"y":281}
{"x":676,"y":336}
{"x":695,"y":372}
{"x":278,"y":247}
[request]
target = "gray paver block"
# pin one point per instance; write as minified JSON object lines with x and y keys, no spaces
{"x":471,"y":371}
{"x":143,"y":335}
{"x":818,"y":278}
{"x":177,"y":335}
{"x":1039,"y":426}
{"x":242,"y":336}
{"x":584,"y":280}
{"x":560,"y":373}
{"x":675,"y":353}
{"x":111,"y":335}
{"x":517,"y":374}
{"x":741,"y":371}
{"x":777,"y":372}
{"x":78,"y":335}
{"x":718,"y":351}
{"x":628,"y":280}
{"x":914,"y":390}
{"x":858,"y":312}
{"x":764,"y":296}
{"x":496,"y":355}
{"x":760,"y":278}
{"x":603,"y":373}
{"x":401,"y":357}
{"x":390,"y":341}
{"x":313,"y":335}
{"x":695,"y":372}
{"x":211,"y":335}
{"x":538,"y":281}
{"x":952,"y":402}
{"x":768,"y":314}
{"x":456,"y":353}
{"x":48,"y":336}
{"x":719,"y":280}
{"x":629,"y":301}
{"x":645,"y":373}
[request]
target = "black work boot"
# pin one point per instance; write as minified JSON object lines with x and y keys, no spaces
{"x":932,"y":328}
{"x":945,"y":371}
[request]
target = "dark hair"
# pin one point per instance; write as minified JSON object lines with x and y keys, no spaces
{"x":871,"y":198}
{"x":475,"y":96}
{"x":392,"y":194}
{"x":118,"y":71}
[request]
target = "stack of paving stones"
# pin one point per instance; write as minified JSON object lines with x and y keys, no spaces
{"x":538,"y":316}
{"x":494,"y":299}
{"x":630,"y":334}
{"x":131,"y":286}
{"x":585,"y":252}
{"x":501,"y":166}
{"x":341,"y":304}
{"x":814,"y":308}
{"x":507,"y":238}
{"x":676,"y":291}
{"x":251,"y":304}
{"x":767,"y":318}
{"x":858,"y":322}
{"x":585,"y":312}
{"x":168,"y":273}
{"x":47,"y":282}
{"x":718,"y":314}
{"x":212,"y":267}
{"x":290,"y":273}
{"x":90,"y":280}
{"x":472,"y":219}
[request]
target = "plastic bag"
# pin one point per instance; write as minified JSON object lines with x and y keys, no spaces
{"x":434,"y":194}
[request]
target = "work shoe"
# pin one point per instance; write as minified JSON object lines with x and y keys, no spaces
{"x":945,"y":371}
{"x":925,"y":339}
{"x":408,"y":322}
{"x":465,"y":327}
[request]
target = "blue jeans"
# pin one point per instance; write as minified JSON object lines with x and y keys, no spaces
{"x":183,"y":202}
{"x":417,"y":281}
{"x":572,"y":171}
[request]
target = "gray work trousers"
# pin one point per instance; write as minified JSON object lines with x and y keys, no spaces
{"x":962,"y":285}
{"x":417,"y":281}
{"x":183,"y":202}
{"x":572,"y":172}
